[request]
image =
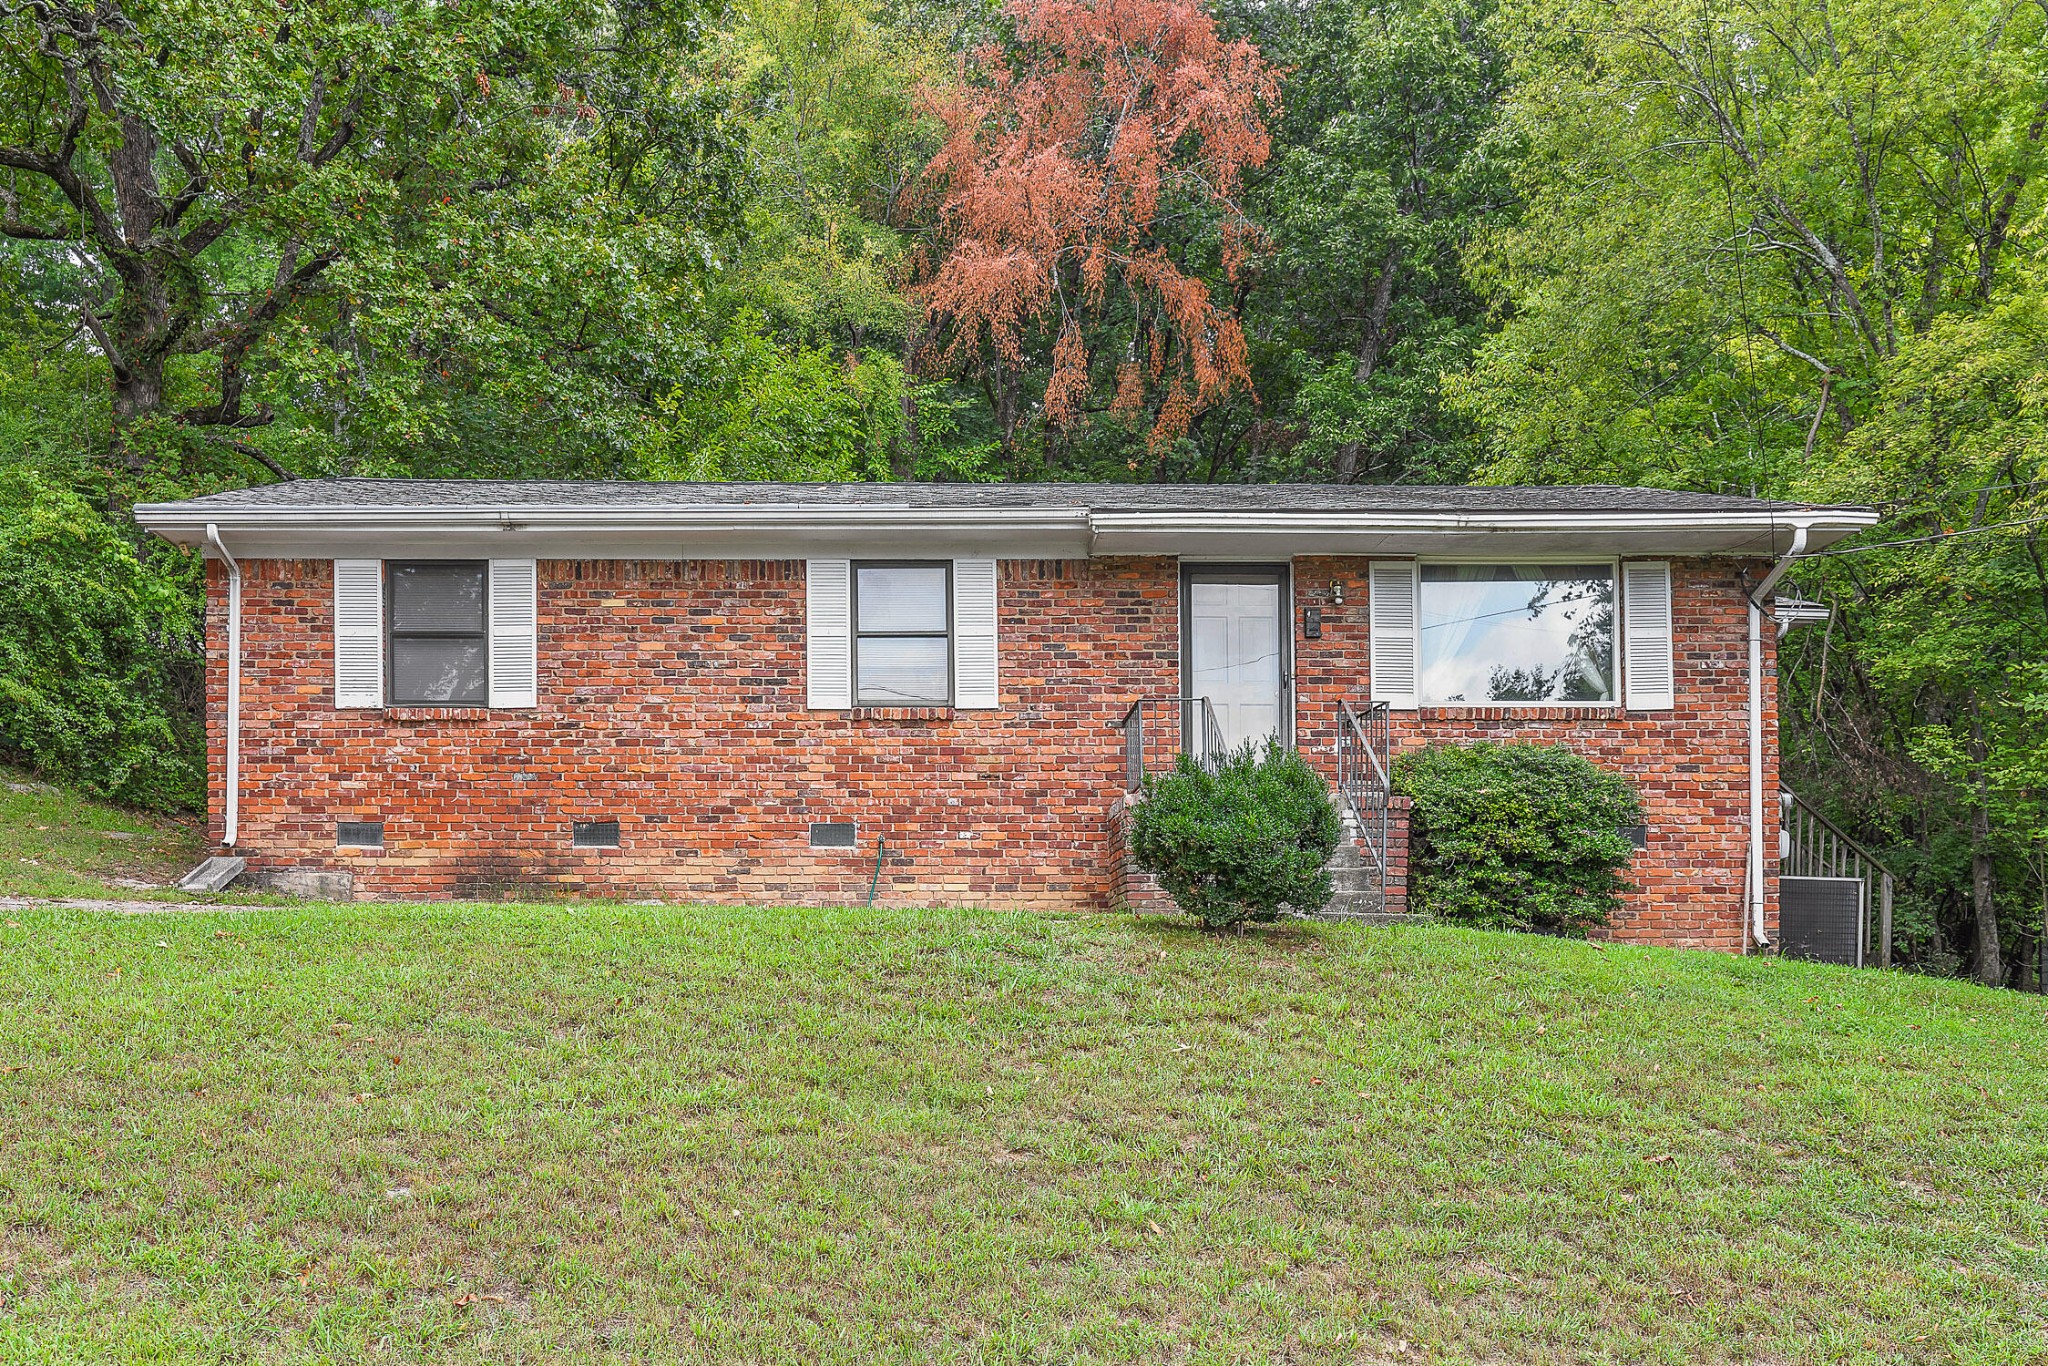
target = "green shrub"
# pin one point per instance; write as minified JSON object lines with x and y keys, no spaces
{"x":1241,"y":843}
{"x":99,"y":652}
{"x":1516,"y":836}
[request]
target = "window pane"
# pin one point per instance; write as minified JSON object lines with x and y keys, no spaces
{"x":902,"y":599}
{"x":890,"y":670}
{"x":437,"y":597}
{"x":439,"y":671}
{"x":1518,"y":633}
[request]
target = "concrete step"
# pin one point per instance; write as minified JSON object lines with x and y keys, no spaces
{"x":214,"y":875}
{"x":1357,"y":894}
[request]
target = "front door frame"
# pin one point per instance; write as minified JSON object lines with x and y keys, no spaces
{"x":1280,"y":573}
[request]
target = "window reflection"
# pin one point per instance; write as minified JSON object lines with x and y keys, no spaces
{"x":1517,"y":633}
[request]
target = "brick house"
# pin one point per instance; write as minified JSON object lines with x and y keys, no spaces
{"x":811,"y":693}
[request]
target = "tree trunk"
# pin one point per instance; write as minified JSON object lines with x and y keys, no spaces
{"x":1984,"y":962}
{"x":905,"y":455}
{"x":138,"y":394}
{"x":1006,"y":411}
{"x":1370,"y":347}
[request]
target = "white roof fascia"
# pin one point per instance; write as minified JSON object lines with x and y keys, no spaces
{"x":629,"y":533}
{"x":1761,"y":534}
{"x":763,"y":532}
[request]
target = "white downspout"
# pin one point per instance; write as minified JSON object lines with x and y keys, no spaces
{"x":233,"y":814}
{"x":1758,"y":902}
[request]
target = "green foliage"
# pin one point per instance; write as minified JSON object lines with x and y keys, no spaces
{"x":1929,"y":695}
{"x":366,"y":239}
{"x":828,"y":89}
{"x":1515,"y":836}
{"x":1388,"y":165}
{"x":789,"y":413}
{"x":98,"y":651}
{"x":1735,"y":216}
{"x":1796,"y":248}
{"x":1243,"y":841}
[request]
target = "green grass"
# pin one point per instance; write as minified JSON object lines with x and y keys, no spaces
{"x":54,"y":843}
{"x":605,"y":1132}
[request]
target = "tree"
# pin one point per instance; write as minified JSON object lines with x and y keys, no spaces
{"x":1388,"y":163}
{"x":202,"y":172}
{"x":100,"y":652}
{"x":769,"y":412}
{"x":1782,"y":246}
{"x":1934,"y":690}
{"x":835,"y":147}
{"x":1734,"y":216}
{"x":1086,"y":169}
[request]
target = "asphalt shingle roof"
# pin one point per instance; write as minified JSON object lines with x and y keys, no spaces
{"x":624,"y":495}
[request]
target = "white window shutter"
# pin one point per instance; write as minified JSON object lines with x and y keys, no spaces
{"x":1396,"y":651}
{"x":358,"y":633}
{"x":828,"y":628}
{"x":515,"y":634}
{"x":1650,"y":681}
{"x":974,"y":634}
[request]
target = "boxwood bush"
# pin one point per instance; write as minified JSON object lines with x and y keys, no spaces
{"x":1516,"y":836}
{"x":1244,"y":842}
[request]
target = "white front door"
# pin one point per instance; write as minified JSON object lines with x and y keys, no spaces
{"x":1236,"y":652}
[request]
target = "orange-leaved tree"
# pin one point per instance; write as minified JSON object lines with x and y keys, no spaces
{"x":1090,"y":171}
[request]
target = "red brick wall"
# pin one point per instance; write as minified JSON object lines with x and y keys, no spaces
{"x":1131,"y":888}
{"x":672,"y":699}
{"x":1691,"y":764}
{"x":1397,"y":855}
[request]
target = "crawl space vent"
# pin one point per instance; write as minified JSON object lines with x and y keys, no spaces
{"x":596,"y":834}
{"x":831,"y":834}
{"x":359,"y":834}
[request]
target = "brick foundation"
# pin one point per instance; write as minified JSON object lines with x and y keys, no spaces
{"x":1132,"y":889}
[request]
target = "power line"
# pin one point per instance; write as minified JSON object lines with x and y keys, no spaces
{"x":2029,"y":485}
{"x":1924,"y":540}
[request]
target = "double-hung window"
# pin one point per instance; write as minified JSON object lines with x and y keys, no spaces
{"x":436,"y":633}
{"x":439,"y":651}
{"x":901,"y":633}
{"x":902,"y":636}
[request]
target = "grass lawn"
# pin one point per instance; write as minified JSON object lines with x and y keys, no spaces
{"x":54,"y":843}
{"x":528,"y":1133}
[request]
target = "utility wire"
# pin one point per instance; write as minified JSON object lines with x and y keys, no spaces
{"x":1923,"y":540}
{"x":2030,"y":485}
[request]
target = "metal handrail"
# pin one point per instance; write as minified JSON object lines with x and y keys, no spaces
{"x":1362,"y":774}
{"x":1203,"y":723}
{"x":1811,"y":845}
